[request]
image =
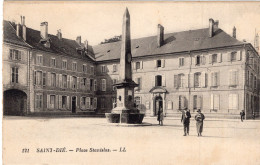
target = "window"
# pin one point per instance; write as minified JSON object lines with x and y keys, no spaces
{"x":74,"y":82}
{"x":52,"y":101}
{"x":92,"y":69}
{"x":197,"y":80}
{"x":182,"y":102}
{"x":64,"y":81}
{"x":103,"y":85}
{"x":181,"y":61}
{"x":158,"y":80}
{"x":159,"y":63}
{"x":138,"y":65}
{"x":233,"y":101}
{"x":91,"y":84}
{"x":39,"y":60}
{"x":14,"y":78}
{"x":83,"y":103}
{"x":197,"y":60}
{"x":103,"y":69}
{"x":53,"y":79}
{"x":214,"y":102}
{"x":137,"y":101}
{"x":233,"y":78}
{"x":38,"y":101}
{"x":139,"y":82}
{"x":233,"y":56}
{"x":214,"y":79}
{"x":255,"y":83}
{"x":64,"y":64}
{"x":38,"y":78}
{"x":84,"y":68}
{"x":53,"y":62}
{"x":114,"y":68}
{"x":179,"y":81}
{"x":197,"y":102}
{"x":83,"y":83}
{"x":214,"y":58}
{"x":43,"y":78}
{"x":64,"y":102}
{"x":114,"y":82}
{"x":74,"y":66}
{"x":15,"y":54}
{"x":252,"y":80}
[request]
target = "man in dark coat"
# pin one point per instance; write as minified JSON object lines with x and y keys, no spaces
{"x":160,"y":116}
{"x":185,"y":119}
{"x":242,"y":114}
{"x":199,"y":124}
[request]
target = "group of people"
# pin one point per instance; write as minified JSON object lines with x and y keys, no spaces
{"x":185,"y":119}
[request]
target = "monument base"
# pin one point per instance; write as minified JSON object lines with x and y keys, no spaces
{"x":125,"y":116}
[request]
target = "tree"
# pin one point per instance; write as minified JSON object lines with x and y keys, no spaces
{"x":113,"y":39}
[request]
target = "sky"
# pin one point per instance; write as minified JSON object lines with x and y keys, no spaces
{"x":96,"y":21}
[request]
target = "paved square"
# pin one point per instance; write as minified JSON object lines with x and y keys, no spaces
{"x":228,"y":142}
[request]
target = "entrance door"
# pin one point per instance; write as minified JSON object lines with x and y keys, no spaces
{"x":158,"y":104}
{"x":73,"y":105}
{"x":15,"y":102}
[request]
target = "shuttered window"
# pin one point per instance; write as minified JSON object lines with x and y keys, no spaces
{"x":38,"y":101}
{"x":214,"y":102}
{"x":197,"y":102}
{"x":15,"y":54}
{"x":233,"y":78}
{"x":103,"y":84}
{"x":181,"y":61}
{"x":214,"y":79}
{"x":233,"y":101}
{"x":53,"y":79}
{"x":182,"y":102}
{"x":14,"y":75}
{"x":39,"y":60}
{"x":197,"y":79}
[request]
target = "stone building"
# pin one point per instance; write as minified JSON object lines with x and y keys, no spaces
{"x":205,"y":69}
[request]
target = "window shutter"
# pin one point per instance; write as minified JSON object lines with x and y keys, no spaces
{"x":216,"y":102}
{"x":140,"y":83}
{"x":95,"y":103}
{"x":57,"y":101}
{"x":19,"y":55}
{"x":78,"y":82}
{"x":196,"y":61}
{"x":235,"y":101}
{"x":229,"y":56}
{"x":88,"y":102}
{"x":68,"y":81}
{"x":219,"y":57}
{"x":95,"y":85}
{"x":88,"y":83}
{"x":48,"y":101}
{"x":105,"y":86}
{"x":60,"y":81}
{"x":141,"y":64}
{"x":203,"y":79}
{"x":175,"y":81}
{"x":239,"y":55}
{"x":210,"y":58}
{"x":133,"y":65}
{"x":155,"y":63}
{"x":11,"y":54}
{"x":191,"y":80}
{"x":212,"y":101}
{"x":204,"y":60}
{"x":49,"y":78}
{"x":199,"y":103}
{"x":163,"y":80}
{"x":71,"y":82}
{"x":68,"y":102}
{"x":153,"y":80}
{"x":230,"y":100}
{"x":218,"y":78}
{"x":81,"y":102}
{"x":34,"y":79}
{"x":163,"y":63}
{"x":60,"y":102}
{"x":57,"y":76}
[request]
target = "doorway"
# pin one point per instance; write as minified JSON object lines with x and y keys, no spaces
{"x":15,"y":102}
{"x":158,"y":103}
{"x":73,"y":104}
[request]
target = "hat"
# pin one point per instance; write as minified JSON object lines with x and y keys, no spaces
{"x":198,"y":110}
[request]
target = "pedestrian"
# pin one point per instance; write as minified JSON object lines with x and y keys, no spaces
{"x":253,"y":115}
{"x":242,"y":114}
{"x":199,"y":124}
{"x":185,"y":119}
{"x":160,"y":116}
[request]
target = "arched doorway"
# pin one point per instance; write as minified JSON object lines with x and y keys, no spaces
{"x":158,"y":102}
{"x":15,"y":102}
{"x":73,"y":104}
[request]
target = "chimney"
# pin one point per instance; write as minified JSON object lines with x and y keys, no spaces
{"x":234,"y":32}
{"x":160,"y":35}
{"x":86,"y":45}
{"x":24,"y":28}
{"x":257,"y":42}
{"x":18,"y":30}
{"x":78,"y":40}
{"x":59,"y":34}
{"x":211,"y":27}
{"x":44,"y":30}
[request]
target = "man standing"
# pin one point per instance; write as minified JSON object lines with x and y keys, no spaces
{"x":185,"y":119}
{"x":242,"y":114}
{"x":160,"y":116}
{"x":199,"y":118}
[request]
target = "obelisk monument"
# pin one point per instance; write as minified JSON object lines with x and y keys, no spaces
{"x":125,"y":111}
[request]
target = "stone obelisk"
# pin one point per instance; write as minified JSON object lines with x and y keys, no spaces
{"x":125,"y":111}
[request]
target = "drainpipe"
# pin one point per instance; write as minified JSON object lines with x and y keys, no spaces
{"x":189,"y":79}
{"x":245,"y":104}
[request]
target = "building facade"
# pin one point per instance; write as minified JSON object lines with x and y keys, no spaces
{"x":203,"y":69}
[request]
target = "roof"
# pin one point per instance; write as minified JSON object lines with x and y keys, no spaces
{"x":173,"y":43}
{"x":10,"y":35}
{"x":58,"y":46}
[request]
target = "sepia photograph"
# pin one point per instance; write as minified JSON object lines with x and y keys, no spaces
{"x":123,"y":83}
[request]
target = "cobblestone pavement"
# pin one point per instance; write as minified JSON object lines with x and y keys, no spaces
{"x":230,"y":142}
